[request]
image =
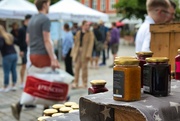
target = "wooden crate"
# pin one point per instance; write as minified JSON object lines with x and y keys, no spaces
{"x":165,"y":41}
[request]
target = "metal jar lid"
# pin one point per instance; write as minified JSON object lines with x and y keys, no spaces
{"x":42,"y":118}
{"x":69,"y":104}
{"x":178,"y":50}
{"x":157,"y":59}
{"x":123,"y":57}
{"x":65,"y":109}
{"x":75,"y":107}
{"x":127,"y":62}
{"x":98,"y":82}
{"x":58,"y":106}
{"x":150,"y":53}
{"x":50,"y":111}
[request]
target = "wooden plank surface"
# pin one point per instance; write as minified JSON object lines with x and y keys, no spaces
{"x":161,"y":28}
{"x":174,"y":46}
{"x":127,"y":114}
{"x":160,"y":44}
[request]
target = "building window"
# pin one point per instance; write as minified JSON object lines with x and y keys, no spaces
{"x":103,"y":5}
{"x":112,"y":3}
{"x":86,"y":3}
{"x":94,"y":4}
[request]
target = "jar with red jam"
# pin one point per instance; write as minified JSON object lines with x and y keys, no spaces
{"x":142,"y":60}
{"x":177,"y":66}
{"x":98,"y":86}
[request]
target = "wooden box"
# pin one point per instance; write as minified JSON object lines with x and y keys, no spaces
{"x":165,"y":41}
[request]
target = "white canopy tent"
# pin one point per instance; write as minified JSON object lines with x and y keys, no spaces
{"x":74,"y":11}
{"x":16,"y":9}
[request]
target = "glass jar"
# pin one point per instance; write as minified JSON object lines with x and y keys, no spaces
{"x":157,"y":76}
{"x":177,"y":65}
{"x":126,"y":80}
{"x":97,"y":87}
{"x":142,"y":60}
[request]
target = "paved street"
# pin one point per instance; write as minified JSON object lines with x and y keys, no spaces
{"x":105,"y":73}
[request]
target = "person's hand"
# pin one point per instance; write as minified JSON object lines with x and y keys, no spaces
{"x":21,"y":54}
{"x":55,"y":64}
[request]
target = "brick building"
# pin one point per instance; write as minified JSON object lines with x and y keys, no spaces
{"x":105,"y":6}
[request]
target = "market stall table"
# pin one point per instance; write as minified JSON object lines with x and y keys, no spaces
{"x":102,"y":107}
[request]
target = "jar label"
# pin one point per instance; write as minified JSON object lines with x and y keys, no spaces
{"x":146,"y":88}
{"x":177,"y":66}
{"x":118,"y":86}
{"x":147,"y":78}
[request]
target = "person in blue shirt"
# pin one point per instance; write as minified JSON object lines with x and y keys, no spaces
{"x":67,"y":46}
{"x":103,"y":31}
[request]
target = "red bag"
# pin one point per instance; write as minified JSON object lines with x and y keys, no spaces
{"x":45,"y":89}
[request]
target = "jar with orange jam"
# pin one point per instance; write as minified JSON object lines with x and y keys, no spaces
{"x":126,"y":80}
{"x":142,"y":60}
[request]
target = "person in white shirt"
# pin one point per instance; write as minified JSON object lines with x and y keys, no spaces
{"x":157,"y":13}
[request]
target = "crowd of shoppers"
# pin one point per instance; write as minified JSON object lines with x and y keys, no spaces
{"x":79,"y":44}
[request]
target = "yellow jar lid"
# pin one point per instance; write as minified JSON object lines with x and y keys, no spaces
{"x":98,"y":82}
{"x":157,"y":59}
{"x":76,"y":106}
{"x":43,"y":117}
{"x":128,"y":62}
{"x":179,"y":50}
{"x":65,"y":109}
{"x":57,"y":114}
{"x":123,"y":57}
{"x":58,"y":106}
{"x":50,"y":111}
{"x":69,"y":104}
{"x":144,"y":53}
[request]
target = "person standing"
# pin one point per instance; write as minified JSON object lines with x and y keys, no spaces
{"x":41,"y":49}
{"x":38,"y":37}
{"x":96,"y":52}
{"x":157,"y":13}
{"x":14,"y":30}
{"x":81,"y":53}
{"x":114,"y":41}
{"x":9,"y":59}
{"x":172,"y":11}
{"x":67,"y":46}
{"x":23,"y":47}
{"x":103,"y":31}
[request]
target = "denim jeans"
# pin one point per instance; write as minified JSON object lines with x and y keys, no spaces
{"x":9,"y":65}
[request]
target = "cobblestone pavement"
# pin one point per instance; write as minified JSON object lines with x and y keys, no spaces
{"x":6,"y":99}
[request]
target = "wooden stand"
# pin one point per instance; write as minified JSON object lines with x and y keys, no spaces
{"x":127,"y":114}
{"x":165,"y":41}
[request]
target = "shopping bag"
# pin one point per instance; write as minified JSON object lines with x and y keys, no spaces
{"x":46,"y":86}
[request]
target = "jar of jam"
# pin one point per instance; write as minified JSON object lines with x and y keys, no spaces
{"x":142,"y":60}
{"x":97,"y":87}
{"x":177,"y":65}
{"x":157,"y":76}
{"x":126,"y":80}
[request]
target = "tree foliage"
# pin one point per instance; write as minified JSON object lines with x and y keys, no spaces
{"x":137,"y":8}
{"x":52,"y":1}
{"x":132,"y":8}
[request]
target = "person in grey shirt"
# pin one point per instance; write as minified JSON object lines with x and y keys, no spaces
{"x":38,"y":37}
{"x":41,"y":49}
